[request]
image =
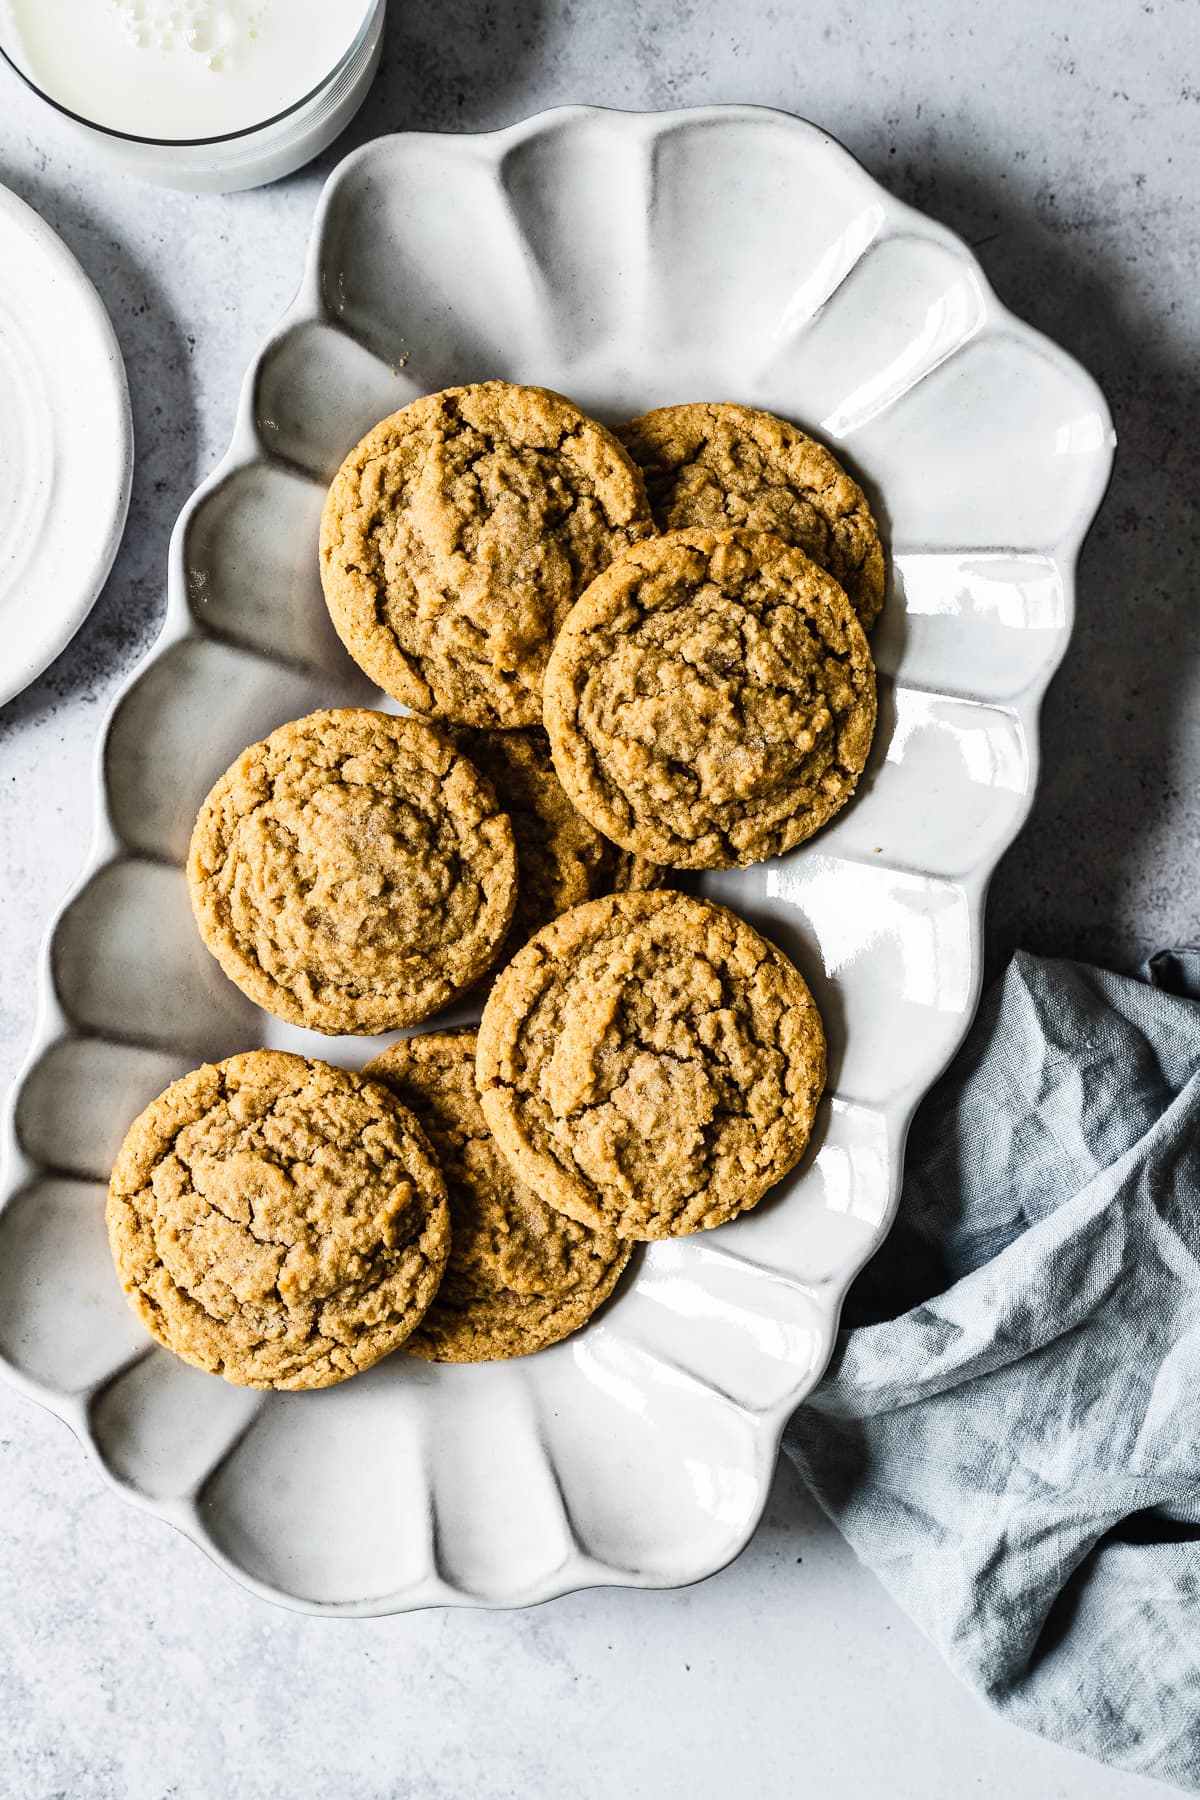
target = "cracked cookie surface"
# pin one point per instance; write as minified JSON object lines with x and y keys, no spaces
{"x":561,"y":858}
{"x":711,"y":699}
{"x":353,"y":872}
{"x":721,"y":466}
{"x":521,"y":1275}
{"x":277,"y":1221}
{"x":650,"y":1065}
{"x":456,"y":537}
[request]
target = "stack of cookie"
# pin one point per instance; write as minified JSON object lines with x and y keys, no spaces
{"x":627,"y":654}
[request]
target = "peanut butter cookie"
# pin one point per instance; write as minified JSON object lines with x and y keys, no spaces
{"x":353,"y":872}
{"x":520,"y":1275}
{"x":650,"y":1065}
{"x":561,"y":858}
{"x":711,"y":699}
{"x":278,"y":1222}
{"x":627,"y":873}
{"x":456,"y":537}
{"x":723,"y":467}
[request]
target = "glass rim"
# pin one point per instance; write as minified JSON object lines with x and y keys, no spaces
{"x":373,"y":8}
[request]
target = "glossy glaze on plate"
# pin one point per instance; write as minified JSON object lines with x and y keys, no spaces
{"x":630,"y":261}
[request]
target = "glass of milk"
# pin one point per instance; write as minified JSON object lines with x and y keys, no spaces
{"x":202,"y":94}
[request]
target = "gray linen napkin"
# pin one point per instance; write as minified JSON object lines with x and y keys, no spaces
{"x":1009,"y":1434}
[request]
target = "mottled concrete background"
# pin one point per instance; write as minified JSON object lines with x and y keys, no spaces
{"x":1064,"y":142}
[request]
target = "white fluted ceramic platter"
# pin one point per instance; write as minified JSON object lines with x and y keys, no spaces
{"x":630,"y":261}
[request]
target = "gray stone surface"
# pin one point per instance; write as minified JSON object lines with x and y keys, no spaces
{"x":1063,"y":142}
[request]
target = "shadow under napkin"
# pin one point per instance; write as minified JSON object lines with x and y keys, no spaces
{"x":1009,"y":1433}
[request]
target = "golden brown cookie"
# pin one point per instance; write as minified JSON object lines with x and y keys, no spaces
{"x":650,"y":1065}
{"x":711,"y":699}
{"x":725,"y":467}
{"x":353,"y":872}
{"x":278,"y":1222}
{"x":456,"y":537}
{"x":627,"y":873}
{"x":561,"y":858}
{"x":520,"y":1275}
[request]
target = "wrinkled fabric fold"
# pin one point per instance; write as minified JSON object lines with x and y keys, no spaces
{"x":1009,"y":1433}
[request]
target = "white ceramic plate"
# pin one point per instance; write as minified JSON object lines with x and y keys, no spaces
{"x":629,"y":260}
{"x":66,"y":445}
